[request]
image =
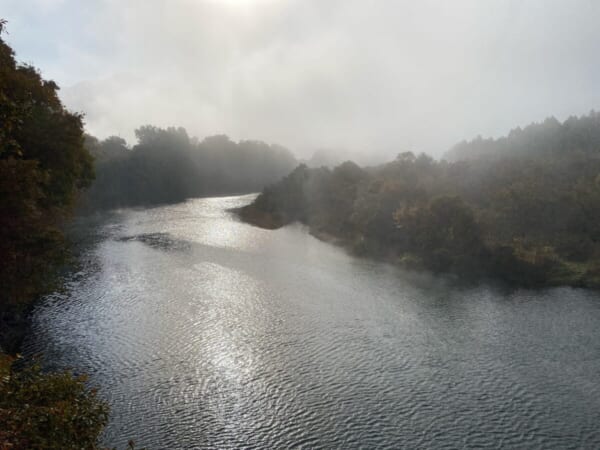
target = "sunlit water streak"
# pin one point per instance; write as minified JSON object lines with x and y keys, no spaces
{"x":204,"y":332}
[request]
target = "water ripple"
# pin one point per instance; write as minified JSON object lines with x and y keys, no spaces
{"x":203,"y":332}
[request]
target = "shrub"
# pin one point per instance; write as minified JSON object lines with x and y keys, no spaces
{"x":49,"y":411}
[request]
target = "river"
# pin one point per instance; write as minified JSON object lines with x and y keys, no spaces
{"x":205,"y":332}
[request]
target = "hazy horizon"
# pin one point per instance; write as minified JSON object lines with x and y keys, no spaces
{"x":382,"y":77}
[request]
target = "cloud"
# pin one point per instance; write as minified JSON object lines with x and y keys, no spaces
{"x":311,"y":73}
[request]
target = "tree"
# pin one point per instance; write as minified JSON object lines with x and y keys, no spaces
{"x":444,"y":233}
{"x":43,"y":166}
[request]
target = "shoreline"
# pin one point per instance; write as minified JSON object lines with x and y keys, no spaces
{"x":271,"y":221}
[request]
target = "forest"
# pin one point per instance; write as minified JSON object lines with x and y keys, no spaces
{"x":524,"y":208}
{"x":167,"y":166}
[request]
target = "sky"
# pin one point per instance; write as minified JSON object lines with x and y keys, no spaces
{"x":368,"y":76}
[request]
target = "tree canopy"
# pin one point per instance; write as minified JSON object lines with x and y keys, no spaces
{"x":43,"y":167}
{"x":167,"y":166}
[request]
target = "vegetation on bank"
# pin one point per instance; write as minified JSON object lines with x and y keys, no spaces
{"x":49,"y":411}
{"x":167,"y":166}
{"x":43,"y":168}
{"x":524,"y":208}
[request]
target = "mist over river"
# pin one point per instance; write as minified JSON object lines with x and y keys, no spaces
{"x":205,"y":332}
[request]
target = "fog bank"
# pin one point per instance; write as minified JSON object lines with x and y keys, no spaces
{"x":376,"y":76}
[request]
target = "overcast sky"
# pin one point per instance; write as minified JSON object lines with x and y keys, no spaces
{"x":369,"y":75}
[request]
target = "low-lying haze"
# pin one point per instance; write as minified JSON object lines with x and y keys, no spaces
{"x":374,"y":76}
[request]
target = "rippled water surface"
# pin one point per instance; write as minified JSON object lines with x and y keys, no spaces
{"x":204,"y":332}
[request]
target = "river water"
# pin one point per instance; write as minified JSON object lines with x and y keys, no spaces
{"x":204,"y":332}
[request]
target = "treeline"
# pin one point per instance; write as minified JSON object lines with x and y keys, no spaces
{"x":550,"y":137}
{"x":524,"y":208}
{"x":168,"y":166}
{"x":43,"y":168}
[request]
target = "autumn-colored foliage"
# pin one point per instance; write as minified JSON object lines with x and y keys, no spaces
{"x":47,"y":411}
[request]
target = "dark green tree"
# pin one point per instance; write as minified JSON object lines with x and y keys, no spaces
{"x":43,"y":167}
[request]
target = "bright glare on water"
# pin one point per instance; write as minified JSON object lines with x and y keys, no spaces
{"x":204,"y":332}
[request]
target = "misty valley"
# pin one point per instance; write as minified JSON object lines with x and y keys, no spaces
{"x":163,"y":288}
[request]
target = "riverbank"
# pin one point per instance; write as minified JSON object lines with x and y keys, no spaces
{"x":525,"y":270}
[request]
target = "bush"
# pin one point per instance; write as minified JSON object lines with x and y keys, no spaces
{"x":49,"y":411}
